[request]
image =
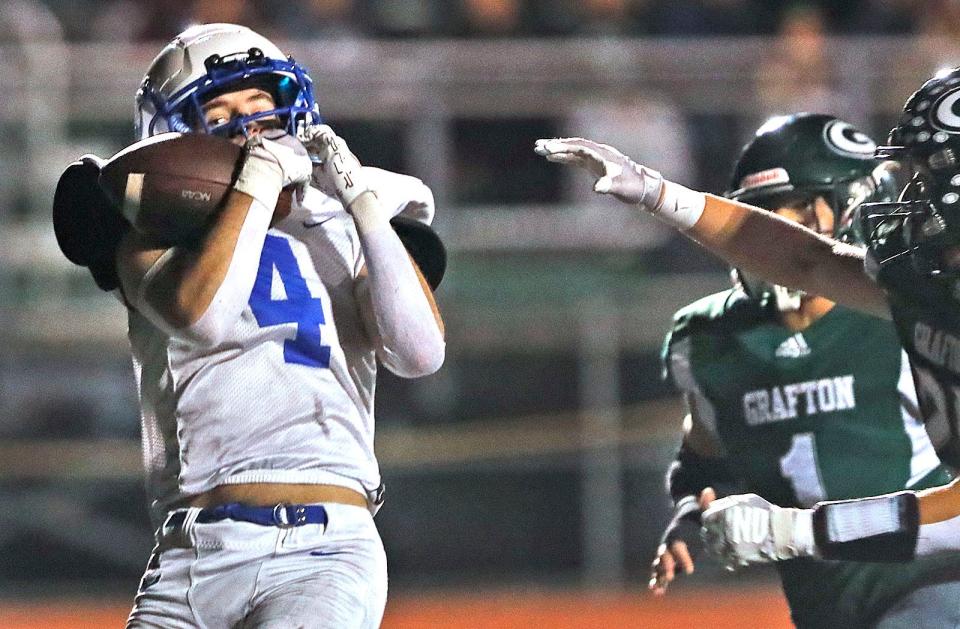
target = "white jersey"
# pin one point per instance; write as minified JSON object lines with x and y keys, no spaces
{"x":288,"y":396}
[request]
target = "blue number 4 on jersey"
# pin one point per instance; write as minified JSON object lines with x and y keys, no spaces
{"x":299,"y":307}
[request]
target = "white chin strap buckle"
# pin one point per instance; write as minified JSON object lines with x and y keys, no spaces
{"x":788,"y":300}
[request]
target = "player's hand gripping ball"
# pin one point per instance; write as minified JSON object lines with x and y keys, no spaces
{"x":171,"y":186}
{"x":337,"y":171}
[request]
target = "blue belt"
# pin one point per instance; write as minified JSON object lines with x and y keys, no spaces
{"x":282,"y":515}
{"x":174,"y":533}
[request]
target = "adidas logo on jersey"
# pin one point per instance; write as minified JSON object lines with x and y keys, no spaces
{"x":794,"y":347}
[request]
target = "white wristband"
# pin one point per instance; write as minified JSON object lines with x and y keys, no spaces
{"x":369,"y":215}
{"x":678,"y":206}
{"x":793,"y":533}
{"x":261,"y":179}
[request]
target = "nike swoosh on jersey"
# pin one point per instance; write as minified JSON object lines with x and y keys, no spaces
{"x":317,"y":224}
{"x":320,"y":553}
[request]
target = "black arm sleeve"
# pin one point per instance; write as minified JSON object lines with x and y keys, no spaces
{"x":690,"y":473}
{"x":687,"y":476}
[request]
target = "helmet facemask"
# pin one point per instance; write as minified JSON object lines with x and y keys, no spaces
{"x":286,"y":81}
{"x":924,"y":222}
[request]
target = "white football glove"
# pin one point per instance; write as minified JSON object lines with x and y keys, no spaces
{"x":626,"y":180}
{"x":267,"y":159}
{"x":745,"y":530}
{"x":617,"y":174}
{"x":337,"y":171}
{"x":286,"y":152}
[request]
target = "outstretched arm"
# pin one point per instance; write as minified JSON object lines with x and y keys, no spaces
{"x":750,"y":238}
{"x":783,"y":252}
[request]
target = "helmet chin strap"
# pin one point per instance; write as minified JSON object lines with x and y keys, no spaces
{"x":787,"y":299}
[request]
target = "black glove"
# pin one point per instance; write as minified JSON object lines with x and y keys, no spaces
{"x":684,"y":525}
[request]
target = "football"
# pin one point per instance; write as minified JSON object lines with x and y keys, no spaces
{"x":170,"y":186}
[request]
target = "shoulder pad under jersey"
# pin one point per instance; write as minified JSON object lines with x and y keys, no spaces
{"x":725,"y":312}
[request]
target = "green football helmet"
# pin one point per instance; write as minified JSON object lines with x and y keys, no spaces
{"x":802,"y":156}
{"x":924,"y":222}
{"x":799,"y":157}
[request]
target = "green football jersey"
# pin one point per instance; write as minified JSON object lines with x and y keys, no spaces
{"x":827,"y":413}
{"x":926,"y":313}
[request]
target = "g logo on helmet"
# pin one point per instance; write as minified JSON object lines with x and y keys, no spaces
{"x":945,"y":112}
{"x":848,"y":140}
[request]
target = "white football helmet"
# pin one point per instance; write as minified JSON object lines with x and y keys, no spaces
{"x":211,"y":59}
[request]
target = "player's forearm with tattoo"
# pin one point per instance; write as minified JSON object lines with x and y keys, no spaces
{"x":749,"y":238}
{"x":199,"y":292}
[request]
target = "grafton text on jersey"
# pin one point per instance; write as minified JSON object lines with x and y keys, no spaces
{"x":811,"y":397}
{"x":939,"y":347}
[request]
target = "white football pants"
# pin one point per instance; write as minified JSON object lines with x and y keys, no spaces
{"x":242,"y":575}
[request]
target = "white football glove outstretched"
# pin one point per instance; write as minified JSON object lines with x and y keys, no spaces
{"x":626,"y":180}
{"x":746,"y":530}
{"x":616,"y":173}
{"x":337,"y":171}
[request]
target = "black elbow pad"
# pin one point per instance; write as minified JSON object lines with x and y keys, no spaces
{"x":424,"y":246}
{"x":87,"y":227}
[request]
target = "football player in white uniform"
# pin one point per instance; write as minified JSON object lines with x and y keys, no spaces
{"x":255,"y":352}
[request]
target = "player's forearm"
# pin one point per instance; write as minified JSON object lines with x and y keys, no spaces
{"x":746,"y":529}
{"x":783,"y":252}
{"x":939,"y":515}
{"x":758,"y":241}
{"x":409,"y":328}
{"x":896,"y":527}
{"x":199,"y":292}
{"x":408,"y":331}
{"x":765,"y":245}
{"x":690,"y":473}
